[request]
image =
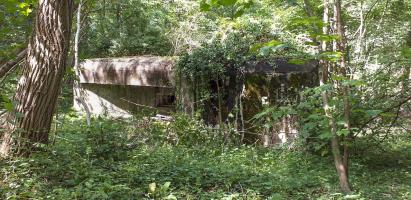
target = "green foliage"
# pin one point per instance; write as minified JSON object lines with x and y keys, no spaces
{"x":160,"y":193}
{"x":213,"y":60}
{"x":99,"y":162}
{"x":215,"y":57}
{"x":231,"y":53}
{"x":267,"y":48}
{"x":15,"y":19}
{"x":7,"y":104}
{"x":127,"y":28}
{"x":183,"y":131}
{"x":271,"y":115}
{"x":192,"y":132}
{"x":7,"y":91}
{"x":185,"y":159}
{"x":330,"y":56}
{"x":15,"y":24}
{"x":234,"y":8}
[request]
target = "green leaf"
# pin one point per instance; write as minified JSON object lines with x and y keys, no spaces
{"x":264,"y":46}
{"x":338,"y":77}
{"x":170,"y":197}
{"x":239,"y":12}
{"x":8,"y":106}
{"x":330,"y":56}
{"x":204,"y":6}
{"x":25,"y":8}
{"x":388,"y":114}
{"x":325,"y":135}
{"x":354,"y":83}
{"x":227,"y":2}
{"x":166,"y":185}
{"x":324,"y":152}
{"x":373,"y":113}
{"x":7,"y":103}
{"x":311,"y":43}
{"x":327,"y":38}
{"x":26,"y":12}
{"x":406,"y":52}
{"x":23,"y":5}
{"x":307,"y":21}
{"x":341,"y":122}
{"x":343,"y":132}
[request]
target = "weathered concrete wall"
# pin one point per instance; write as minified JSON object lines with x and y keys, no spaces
{"x":119,"y":87}
{"x":120,"y":100}
{"x":151,"y":71}
{"x":279,"y":89}
{"x":274,"y":82}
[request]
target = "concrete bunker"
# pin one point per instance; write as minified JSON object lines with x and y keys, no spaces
{"x":241,"y":93}
{"x":121,"y":87}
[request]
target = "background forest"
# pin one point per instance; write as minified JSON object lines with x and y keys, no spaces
{"x":354,"y":126}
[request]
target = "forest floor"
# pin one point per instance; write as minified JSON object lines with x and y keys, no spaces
{"x":104,"y":162}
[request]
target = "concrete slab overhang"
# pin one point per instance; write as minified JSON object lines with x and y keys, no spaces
{"x":152,"y":71}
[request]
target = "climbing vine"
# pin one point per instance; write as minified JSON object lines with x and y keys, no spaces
{"x":216,"y":70}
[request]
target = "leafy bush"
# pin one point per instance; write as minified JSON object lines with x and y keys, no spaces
{"x":98,"y":162}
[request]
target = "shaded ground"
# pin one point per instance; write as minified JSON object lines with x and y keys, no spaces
{"x":104,"y":162}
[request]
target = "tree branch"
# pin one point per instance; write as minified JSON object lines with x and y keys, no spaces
{"x":8,"y":66}
{"x":384,"y":111}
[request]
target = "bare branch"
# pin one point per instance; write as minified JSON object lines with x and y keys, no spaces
{"x":8,"y":66}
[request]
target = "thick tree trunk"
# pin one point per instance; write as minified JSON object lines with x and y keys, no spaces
{"x":39,"y":85}
{"x":335,"y":144}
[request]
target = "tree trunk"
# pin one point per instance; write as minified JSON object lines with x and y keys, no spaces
{"x":79,"y":93}
{"x":343,"y":71}
{"x":219,"y":113}
{"x":405,"y":77}
{"x":39,"y":86}
{"x":242,"y":113}
{"x":335,"y":144}
{"x":77,"y":35}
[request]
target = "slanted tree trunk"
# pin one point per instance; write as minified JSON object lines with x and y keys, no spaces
{"x":335,"y":143}
{"x":39,"y":86}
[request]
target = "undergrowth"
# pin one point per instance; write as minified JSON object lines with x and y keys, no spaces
{"x":141,"y":159}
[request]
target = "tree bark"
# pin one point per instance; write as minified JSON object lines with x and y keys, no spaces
{"x":407,"y":69}
{"x":242,"y":112}
{"x":335,"y":143}
{"x":79,"y":93}
{"x":343,"y":71}
{"x":39,"y":86}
